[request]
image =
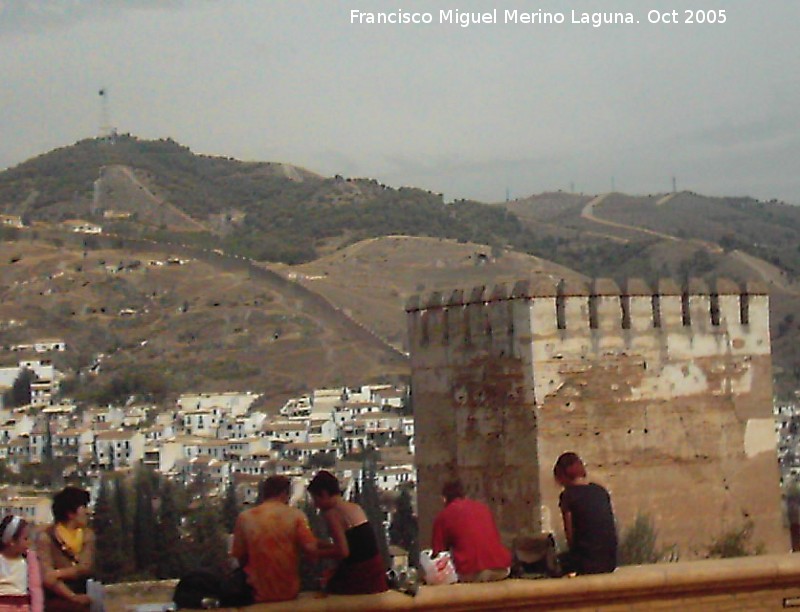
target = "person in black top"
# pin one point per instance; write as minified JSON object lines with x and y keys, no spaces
{"x":360,"y":569}
{"x":588,"y":520}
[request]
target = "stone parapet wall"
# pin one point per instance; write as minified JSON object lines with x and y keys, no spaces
{"x":753,"y":584}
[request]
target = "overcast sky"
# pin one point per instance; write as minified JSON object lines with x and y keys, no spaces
{"x":471,"y":112}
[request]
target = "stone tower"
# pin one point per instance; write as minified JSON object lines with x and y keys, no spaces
{"x":666,"y":394}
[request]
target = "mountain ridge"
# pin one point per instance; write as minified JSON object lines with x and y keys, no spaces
{"x":295,"y":221}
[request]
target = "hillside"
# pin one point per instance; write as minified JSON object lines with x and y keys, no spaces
{"x":372,"y":280}
{"x":160,"y":328}
{"x":266,"y":211}
{"x":363,"y":247}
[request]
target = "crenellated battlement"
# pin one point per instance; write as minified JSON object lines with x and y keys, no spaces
{"x":574,"y":308}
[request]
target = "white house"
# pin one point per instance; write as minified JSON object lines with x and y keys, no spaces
{"x":243,"y":447}
{"x":391,"y":477}
{"x":255,"y":465}
{"x":135,"y":415}
{"x":233,"y":402}
{"x":19,"y":451}
{"x":12,"y":221}
{"x":156,"y":433}
{"x":216,"y":449}
{"x":76,"y":443}
{"x":247,"y":487}
{"x":200,"y":422}
{"x":45,"y":346}
{"x":82,"y":227}
{"x":33,"y":508}
{"x":297,"y":408}
{"x":16,"y":426}
{"x":110,"y":415}
{"x":285,"y":431}
{"x":164,"y":455}
{"x":231,"y":427}
{"x":46,"y":380}
{"x":121,"y":448}
{"x":388,"y":397}
{"x":38,"y":442}
{"x":303,"y":451}
{"x":323,"y":401}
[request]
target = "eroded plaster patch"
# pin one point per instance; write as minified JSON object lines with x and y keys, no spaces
{"x":759,"y":437}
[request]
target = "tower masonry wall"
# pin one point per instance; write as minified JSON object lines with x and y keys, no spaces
{"x":665,"y":393}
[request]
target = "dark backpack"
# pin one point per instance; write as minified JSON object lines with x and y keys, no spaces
{"x":231,"y":590}
{"x":196,"y":586}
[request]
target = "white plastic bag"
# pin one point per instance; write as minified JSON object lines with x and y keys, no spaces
{"x":438,"y":569}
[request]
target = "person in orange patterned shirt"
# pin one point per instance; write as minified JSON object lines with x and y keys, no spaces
{"x":267,"y":541}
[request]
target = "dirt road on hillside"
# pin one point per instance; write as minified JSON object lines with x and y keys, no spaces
{"x":588,"y":213}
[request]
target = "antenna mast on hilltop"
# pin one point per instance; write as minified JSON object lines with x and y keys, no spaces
{"x":107,"y":131}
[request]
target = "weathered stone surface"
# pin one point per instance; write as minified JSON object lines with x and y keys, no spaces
{"x":667,"y":397}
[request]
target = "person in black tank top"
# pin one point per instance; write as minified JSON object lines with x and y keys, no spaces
{"x":361,"y":569}
{"x":588,"y":520}
{"x":361,"y":542}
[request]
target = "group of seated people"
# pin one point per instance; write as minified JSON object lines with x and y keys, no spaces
{"x":52,"y":575}
{"x":466,"y":528}
{"x":269,"y":538}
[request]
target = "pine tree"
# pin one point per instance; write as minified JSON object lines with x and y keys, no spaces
{"x":404,"y":530}
{"x":20,"y":392}
{"x":111,"y":563}
{"x":144,"y":523}
{"x":125,"y":513}
{"x":369,"y":500}
{"x":230,"y":506}
{"x":170,"y":557}
{"x":207,"y":547}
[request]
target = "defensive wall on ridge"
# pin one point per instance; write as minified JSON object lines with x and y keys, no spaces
{"x":665,"y":392}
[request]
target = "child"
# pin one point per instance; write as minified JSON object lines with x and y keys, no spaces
{"x":20,"y":577}
{"x":588,"y":520}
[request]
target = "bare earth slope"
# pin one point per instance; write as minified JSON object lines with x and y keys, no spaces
{"x":371,"y":280}
{"x":210,"y":323}
{"x":120,"y":188}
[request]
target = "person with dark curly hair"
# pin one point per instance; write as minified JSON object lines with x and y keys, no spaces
{"x":588,"y":520}
{"x":66,"y":552}
{"x":361,"y":569}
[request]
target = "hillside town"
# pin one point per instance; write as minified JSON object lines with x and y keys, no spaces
{"x":218,"y":437}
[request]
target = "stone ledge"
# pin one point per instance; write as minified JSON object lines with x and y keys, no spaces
{"x":689,"y":586}
{"x":628,"y":585}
